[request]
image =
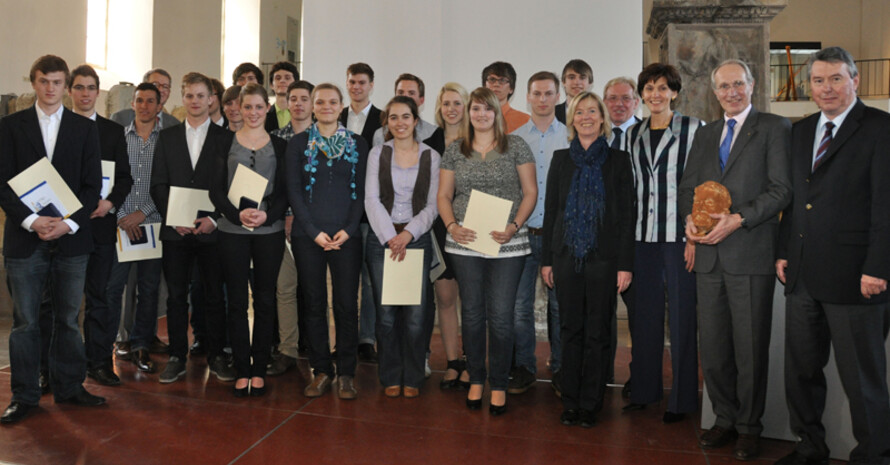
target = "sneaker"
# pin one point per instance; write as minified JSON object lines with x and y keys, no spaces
{"x":366,"y":353}
{"x":220,"y":367}
{"x":347,"y":388}
{"x":427,"y":372}
{"x":174,"y":370}
{"x":521,"y":381}
{"x":319,"y":385}
{"x":280,"y":365}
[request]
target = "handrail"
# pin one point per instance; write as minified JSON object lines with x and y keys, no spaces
{"x":791,"y":81}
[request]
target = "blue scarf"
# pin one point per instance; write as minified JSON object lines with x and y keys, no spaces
{"x":339,"y":146}
{"x":586,"y":201}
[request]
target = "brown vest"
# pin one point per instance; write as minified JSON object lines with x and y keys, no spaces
{"x":421,"y":185}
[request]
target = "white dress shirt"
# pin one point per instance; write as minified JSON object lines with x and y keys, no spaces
{"x":355,"y":122}
{"x":820,"y":129}
{"x":195,"y":138}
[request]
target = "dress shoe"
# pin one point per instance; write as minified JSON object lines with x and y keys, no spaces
{"x":672,"y":417}
{"x":122,"y":350}
{"x":411,"y":392}
{"x":319,"y":385}
{"x":587,"y":418}
{"x":632,"y":407}
{"x":625,"y":391}
{"x":747,"y":447}
{"x":143,"y":361}
{"x":174,"y":370}
{"x":280,"y":364}
{"x":521,"y":381}
{"x":717,"y":437}
{"x":346,"y":388}
{"x":795,"y":458}
{"x":158,"y":346}
{"x":393,"y":391}
{"x":366,"y":353}
{"x":497,"y":410}
{"x":44,"y":383}
{"x":241,"y":392}
{"x":258,"y":391}
{"x":198,"y":348}
{"x":84,"y":399}
{"x":104,"y":375}
{"x":570,"y":417}
{"x":15,"y":412}
{"x":221,"y":368}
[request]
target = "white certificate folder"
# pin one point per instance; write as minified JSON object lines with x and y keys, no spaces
{"x":186,"y":205}
{"x":403,"y":281}
{"x":147,"y":248}
{"x":486,"y":213}
{"x":42,"y":189}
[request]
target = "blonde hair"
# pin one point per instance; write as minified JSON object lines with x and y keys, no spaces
{"x":485,"y":97}
{"x":605,"y":128}
{"x":450,"y":87}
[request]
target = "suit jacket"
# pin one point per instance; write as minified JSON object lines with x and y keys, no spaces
{"x":615,"y":235}
{"x":113,"y":147}
{"x":561,"y":112}
{"x":75,"y":157}
{"x":837,"y":227}
{"x":372,"y":123}
{"x":127,"y":115}
{"x":758,"y":177}
{"x":272,"y":119}
{"x":173,"y":167}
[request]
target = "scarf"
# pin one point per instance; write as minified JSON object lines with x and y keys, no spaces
{"x":338,"y":145}
{"x":586,"y":201}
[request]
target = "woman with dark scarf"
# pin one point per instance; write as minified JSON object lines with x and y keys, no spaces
{"x":588,"y":249}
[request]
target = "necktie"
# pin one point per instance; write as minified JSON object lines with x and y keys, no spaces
{"x":727,"y":143}
{"x":823,"y":146}
{"x":616,"y":138}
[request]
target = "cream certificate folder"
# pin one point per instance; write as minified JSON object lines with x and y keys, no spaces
{"x":486,"y":213}
{"x":184,"y":204}
{"x":41,"y":188}
{"x":402,"y":281}
{"x":107,"y":178}
{"x":247,"y":183}
{"x":147,"y":248}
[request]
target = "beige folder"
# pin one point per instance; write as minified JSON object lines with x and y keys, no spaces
{"x":151,"y":248}
{"x":486,"y":213}
{"x":40,"y":185}
{"x":183,"y":206}
{"x":403,"y":281}
{"x":107,"y":178}
{"x":247,"y":183}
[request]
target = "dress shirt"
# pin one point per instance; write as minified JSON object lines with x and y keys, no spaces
{"x":625,"y":129}
{"x":220,"y":121}
{"x":283,"y":115}
{"x":49,"y":129}
{"x":141,"y":154}
{"x":355,"y":122}
{"x":543,"y":144}
{"x":195,"y":138}
{"x":93,"y":116}
{"x":820,"y":129}
{"x":403,"y":181}
{"x":513,"y":117}
{"x":739,"y":122}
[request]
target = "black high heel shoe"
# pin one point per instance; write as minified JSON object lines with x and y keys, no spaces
{"x":475,"y":404}
{"x":258,"y":391}
{"x":497,"y":410}
{"x":457,"y":365}
{"x":241,"y":392}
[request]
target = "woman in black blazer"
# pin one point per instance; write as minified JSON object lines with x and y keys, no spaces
{"x":588,"y":246}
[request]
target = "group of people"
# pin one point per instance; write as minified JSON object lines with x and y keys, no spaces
{"x":601,"y":205}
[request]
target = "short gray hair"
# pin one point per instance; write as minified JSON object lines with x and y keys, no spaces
{"x":160,"y":71}
{"x":621,"y":80}
{"x":749,"y":78}
{"x":834,"y":55}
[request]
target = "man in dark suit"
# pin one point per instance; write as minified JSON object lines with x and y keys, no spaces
{"x":48,"y":249}
{"x":361,"y":116}
{"x":183,"y":158}
{"x":834,"y":258}
{"x":162,"y":80}
{"x":577,"y":77}
{"x":747,"y":151}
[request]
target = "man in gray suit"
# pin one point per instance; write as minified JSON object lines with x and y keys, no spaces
{"x":748,"y":152}
{"x":162,"y":80}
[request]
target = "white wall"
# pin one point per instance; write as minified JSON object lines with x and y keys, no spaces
{"x":453,"y":40}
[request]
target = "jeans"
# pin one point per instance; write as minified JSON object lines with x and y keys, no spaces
{"x":524,"y":321}
{"x":368,"y":310}
{"x":488,"y":296}
{"x":67,"y":362}
{"x":402,"y":339}
{"x":148,"y":280}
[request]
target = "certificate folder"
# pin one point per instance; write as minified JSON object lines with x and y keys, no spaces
{"x":107,"y":178}
{"x":186,"y":205}
{"x":247,"y":189}
{"x":146,"y":248}
{"x":403,"y":281}
{"x":486,"y":213}
{"x":42,"y":189}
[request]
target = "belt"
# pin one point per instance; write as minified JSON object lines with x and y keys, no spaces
{"x":399,"y":227}
{"x":536,"y":231}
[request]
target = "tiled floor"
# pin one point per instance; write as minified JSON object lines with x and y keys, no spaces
{"x":198,"y":421}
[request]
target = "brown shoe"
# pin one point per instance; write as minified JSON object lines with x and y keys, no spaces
{"x":393,"y":391}
{"x":717,"y":437}
{"x":347,"y":388}
{"x":747,"y":447}
{"x":319,"y":385}
{"x":411,"y":392}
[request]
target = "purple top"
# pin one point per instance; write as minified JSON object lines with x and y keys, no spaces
{"x":403,"y":180}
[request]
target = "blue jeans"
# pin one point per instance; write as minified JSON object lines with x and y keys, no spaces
{"x":67,"y":362}
{"x":401,"y":330}
{"x":488,"y":296}
{"x":368,"y":309}
{"x":148,"y":279}
{"x":524,"y":320}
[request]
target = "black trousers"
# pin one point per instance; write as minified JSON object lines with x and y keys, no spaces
{"x":177,"y":263}
{"x":586,"y":301}
{"x":237,"y":251}
{"x":345,"y":265}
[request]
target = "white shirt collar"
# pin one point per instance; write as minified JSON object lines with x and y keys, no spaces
{"x":364,"y":110}
{"x":739,"y":118}
{"x":838,"y":121}
{"x":57,"y":115}
{"x":201,"y":128}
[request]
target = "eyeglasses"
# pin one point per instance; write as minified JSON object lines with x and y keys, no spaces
{"x":497,"y":80}
{"x":81,"y":88}
{"x":622,"y":99}
{"x":737,"y":85}
{"x":161,"y":86}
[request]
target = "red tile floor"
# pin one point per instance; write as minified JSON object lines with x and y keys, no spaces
{"x":198,"y":421}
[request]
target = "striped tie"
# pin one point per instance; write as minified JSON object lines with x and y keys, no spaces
{"x":823,"y":146}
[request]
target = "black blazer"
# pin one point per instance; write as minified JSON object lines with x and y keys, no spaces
{"x":837,"y":227}
{"x":75,"y":157}
{"x":615,"y":236}
{"x":276,"y":201}
{"x":271,"y":120}
{"x":561,"y":112}
{"x":113,"y":147}
{"x":372,"y":123}
{"x":173,"y":167}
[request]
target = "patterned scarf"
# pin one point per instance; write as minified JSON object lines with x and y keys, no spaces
{"x":338,"y":145}
{"x":586,"y":201}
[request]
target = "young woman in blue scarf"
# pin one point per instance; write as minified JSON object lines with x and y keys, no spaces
{"x":588,"y":248}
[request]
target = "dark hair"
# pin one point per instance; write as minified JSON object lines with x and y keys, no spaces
{"x":253,"y":88}
{"x":196,"y":78}
{"x":84,"y":71}
{"x":486,"y":97}
{"x":218,"y":89}
{"x":148,"y":86}
{"x":834,"y":55}
{"x":579,"y":66}
{"x":384,"y":115}
{"x":410,"y":77}
{"x":502,"y":69}
{"x":286,"y":66}
{"x":244,"y":68}
{"x":360,"y":68}
{"x":654,"y":72}
{"x":543,"y":76}
{"x":49,"y":64}
{"x":161,"y":71}
{"x":300,"y":85}
{"x":230,"y":94}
